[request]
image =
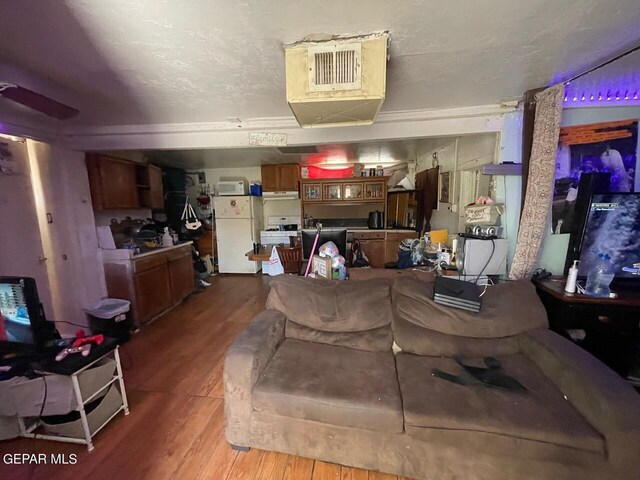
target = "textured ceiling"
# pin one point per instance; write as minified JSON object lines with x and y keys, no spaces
{"x":152,"y":61}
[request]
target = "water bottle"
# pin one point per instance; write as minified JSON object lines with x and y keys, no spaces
{"x":600,"y":276}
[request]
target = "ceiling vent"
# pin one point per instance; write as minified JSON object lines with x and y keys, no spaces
{"x":337,"y":82}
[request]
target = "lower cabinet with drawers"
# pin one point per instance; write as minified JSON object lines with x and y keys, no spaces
{"x":380,"y":246}
{"x":153,"y":282}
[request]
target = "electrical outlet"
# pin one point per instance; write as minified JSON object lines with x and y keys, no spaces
{"x":202,"y":178}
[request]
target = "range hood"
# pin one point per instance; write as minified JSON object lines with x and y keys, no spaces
{"x":293,"y":195}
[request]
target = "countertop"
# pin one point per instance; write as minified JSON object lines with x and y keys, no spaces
{"x":364,"y":229}
{"x":127,"y":254}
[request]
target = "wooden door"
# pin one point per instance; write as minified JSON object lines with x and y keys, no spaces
{"x":117,"y":183}
{"x":153,"y":292}
{"x":156,"y":193}
{"x":22,"y":252}
{"x":182,"y":278}
{"x":269,"y":178}
{"x":288,"y":176}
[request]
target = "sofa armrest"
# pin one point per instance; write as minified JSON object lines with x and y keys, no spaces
{"x":245,"y":361}
{"x":606,"y":400}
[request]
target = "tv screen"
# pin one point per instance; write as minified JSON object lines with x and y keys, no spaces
{"x":613,"y":228}
{"x":23,"y":320}
{"x":16,"y":326}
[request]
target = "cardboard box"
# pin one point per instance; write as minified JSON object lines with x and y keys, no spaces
{"x":321,"y":267}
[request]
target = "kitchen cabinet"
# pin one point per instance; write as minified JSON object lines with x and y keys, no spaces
{"x":149,"y":185}
{"x":312,"y":192}
{"x":153,"y":292}
{"x":112,"y":182}
{"x":280,"y":178}
{"x":365,"y":190}
{"x":375,"y":190}
{"x":392,"y":244}
{"x":120,"y":184}
{"x":352,"y":191}
{"x":181,"y":277}
{"x":331,"y":192}
{"x":373,"y":246}
{"x":153,"y":282}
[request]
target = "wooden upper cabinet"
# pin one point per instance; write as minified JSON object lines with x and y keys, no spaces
{"x":150,"y":191}
{"x":112,"y":182}
{"x":280,"y":178}
{"x":288,"y":177}
{"x":121,"y":184}
{"x":269,"y":178}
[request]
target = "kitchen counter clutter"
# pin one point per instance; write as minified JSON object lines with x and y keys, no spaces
{"x":380,"y":246}
{"x":153,"y":282}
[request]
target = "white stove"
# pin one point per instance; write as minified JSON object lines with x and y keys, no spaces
{"x":273,"y":234}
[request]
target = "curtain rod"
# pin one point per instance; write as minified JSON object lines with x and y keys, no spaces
{"x":597,"y":67}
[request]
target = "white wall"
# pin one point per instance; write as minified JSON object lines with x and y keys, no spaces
{"x":508,"y":188}
{"x":455,"y":154}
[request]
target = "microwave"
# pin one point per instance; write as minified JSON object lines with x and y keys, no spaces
{"x":235,"y":187}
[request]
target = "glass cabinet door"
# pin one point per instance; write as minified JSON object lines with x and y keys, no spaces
{"x":332,"y":192}
{"x":311,"y":192}
{"x":374,"y":191}
{"x":352,"y":191}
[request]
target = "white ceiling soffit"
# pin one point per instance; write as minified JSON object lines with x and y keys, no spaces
{"x":173,"y":62}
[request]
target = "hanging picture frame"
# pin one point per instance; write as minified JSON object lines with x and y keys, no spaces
{"x":445,"y":187}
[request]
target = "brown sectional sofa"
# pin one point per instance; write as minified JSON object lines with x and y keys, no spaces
{"x":317,"y":374}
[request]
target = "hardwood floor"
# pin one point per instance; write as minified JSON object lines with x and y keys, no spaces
{"x":173,"y":375}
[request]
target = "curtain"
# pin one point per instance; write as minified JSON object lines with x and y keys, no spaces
{"x":427,"y":184}
{"x":539,"y":196}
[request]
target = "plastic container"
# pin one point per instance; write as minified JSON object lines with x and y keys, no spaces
{"x":600,"y":277}
{"x":255,"y":189}
{"x":111,"y":317}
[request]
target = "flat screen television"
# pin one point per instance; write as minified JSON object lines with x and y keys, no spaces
{"x":613,"y":227}
{"x":23,"y":325}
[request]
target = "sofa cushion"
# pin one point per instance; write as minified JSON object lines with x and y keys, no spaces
{"x":350,"y":314}
{"x":423,"y":341}
{"x":542,"y":414}
{"x":333,"y":385}
{"x":332,"y":306}
{"x":374,"y":340}
{"x":507,"y":309}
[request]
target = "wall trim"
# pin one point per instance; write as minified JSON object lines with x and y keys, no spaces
{"x":388,"y":126}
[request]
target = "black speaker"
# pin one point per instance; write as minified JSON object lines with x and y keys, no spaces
{"x":590,"y":183}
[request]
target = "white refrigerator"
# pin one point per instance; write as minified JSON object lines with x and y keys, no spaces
{"x":238,"y":225}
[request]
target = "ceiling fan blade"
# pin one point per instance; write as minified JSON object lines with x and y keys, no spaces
{"x":36,"y":101}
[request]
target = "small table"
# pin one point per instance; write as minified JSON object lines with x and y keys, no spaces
{"x":263,"y":255}
{"x":27,"y":431}
{"x":611,"y":325}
